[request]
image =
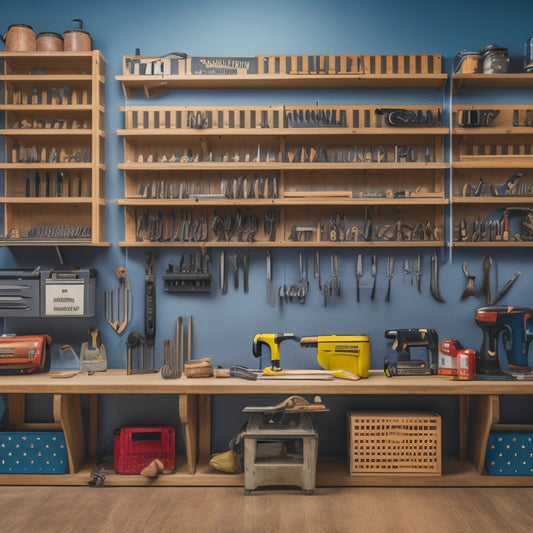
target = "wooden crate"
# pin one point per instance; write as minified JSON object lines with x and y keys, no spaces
{"x":389,"y":442}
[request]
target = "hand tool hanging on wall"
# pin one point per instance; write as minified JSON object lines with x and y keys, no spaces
{"x":223,"y":273}
{"x":434,"y":284}
{"x":270,"y":297}
{"x":374,"y":272}
{"x":191,"y":276}
{"x":117,"y":302}
{"x":419,"y":272}
{"x":149,"y":308}
{"x":470,"y":289}
{"x":359,"y":273}
{"x":390,"y":274}
{"x":317,"y":270}
{"x":296,"y":290}
{"x":486,"y":289}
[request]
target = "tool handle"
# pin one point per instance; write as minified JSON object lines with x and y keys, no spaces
{"x":122,"y":273}
{"x":309,"y":341}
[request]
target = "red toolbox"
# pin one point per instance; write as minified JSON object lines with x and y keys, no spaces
{"x":136,"y":447}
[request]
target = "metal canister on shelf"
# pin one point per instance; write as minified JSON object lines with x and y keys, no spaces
{"x":466,"y":364}
{"x":468,"y":62}
{"x":495,"y":59}
{"x":19,"y":38}
{"x":528,"y":55}
{"x":49,"y":41}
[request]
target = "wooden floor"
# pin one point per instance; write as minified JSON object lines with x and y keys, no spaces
{"x":228,"y":510}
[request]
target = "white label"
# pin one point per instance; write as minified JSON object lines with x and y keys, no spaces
{"x":64,"y":300}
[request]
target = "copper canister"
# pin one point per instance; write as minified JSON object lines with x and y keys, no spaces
{"x":49,"y":42}
{"x":77,"y":39}
{"x":19,"y":38}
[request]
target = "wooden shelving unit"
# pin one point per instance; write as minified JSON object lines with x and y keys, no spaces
{"x":491,"y":167}
{"x":353,"y":166}
{"x":52,"y":108}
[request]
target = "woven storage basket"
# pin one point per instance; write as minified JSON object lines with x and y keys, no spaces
{"x":394,"y":442}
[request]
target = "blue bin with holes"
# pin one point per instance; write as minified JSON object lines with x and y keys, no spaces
{"x":36,"y":452}
{"x":509,"y":454}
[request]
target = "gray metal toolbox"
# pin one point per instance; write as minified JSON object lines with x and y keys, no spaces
{"x":19,"y":293}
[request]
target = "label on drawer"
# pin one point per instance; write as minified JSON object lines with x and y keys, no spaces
{"x":65,"y":299}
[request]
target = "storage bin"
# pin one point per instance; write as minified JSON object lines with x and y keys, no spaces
{"x":36,"y":452}
{"x":509,"y":454}
{"x":393,"y":442}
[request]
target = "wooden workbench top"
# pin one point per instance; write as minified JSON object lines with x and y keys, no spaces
{"x":116,"y":381}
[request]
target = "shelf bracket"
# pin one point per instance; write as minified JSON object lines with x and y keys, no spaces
{"x":59,"y":255}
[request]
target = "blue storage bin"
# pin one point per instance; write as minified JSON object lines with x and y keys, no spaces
{"x":509,"y":454}
{"x":36,"y":452}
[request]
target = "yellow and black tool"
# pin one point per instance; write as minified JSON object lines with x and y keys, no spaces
{"x":342,"y":352}
{"x":272,"y":340}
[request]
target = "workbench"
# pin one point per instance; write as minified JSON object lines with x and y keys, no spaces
{"x":478,"y":408}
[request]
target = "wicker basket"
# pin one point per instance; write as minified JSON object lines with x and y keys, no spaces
{"x":381,"y":442}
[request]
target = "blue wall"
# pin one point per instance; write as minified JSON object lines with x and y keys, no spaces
{"x":224,"y":325}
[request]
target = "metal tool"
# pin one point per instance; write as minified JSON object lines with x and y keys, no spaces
{"x":359,"y":274}
{"x":434,"y":285}
{"x":486,"y":289}
{"x":317,"y":270}
{"x":374,"y":272}
{"x":149,"y":309}
{"x":117,"y":303}
{"x":390,"y":274}
{"x":223,"y":273}
{"x":270,"y":296}
{"x":136,"y":359}
{"x":470,"y":289}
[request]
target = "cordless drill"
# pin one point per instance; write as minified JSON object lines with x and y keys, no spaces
{"x":272,"y":340}
{"x":515,"y":324}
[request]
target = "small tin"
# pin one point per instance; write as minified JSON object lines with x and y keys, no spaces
{"x":495,"y":59}
{"x":466,"y":364}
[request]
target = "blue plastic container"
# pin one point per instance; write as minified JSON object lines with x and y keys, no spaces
{"x":36,"y":452}
{"x":509,"y":454}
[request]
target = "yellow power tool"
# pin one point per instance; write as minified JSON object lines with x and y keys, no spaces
{"x":342,"y":352}
{"x":272,"y":340}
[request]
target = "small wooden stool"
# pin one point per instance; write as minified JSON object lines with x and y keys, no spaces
{"x":280,"y":468}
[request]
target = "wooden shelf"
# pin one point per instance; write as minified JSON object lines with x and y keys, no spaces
{"x":153,"y":85}
{"x":331,"y":201}
{"x":252,"y":167}
{"x":507,"y":80}
{"x":83,"y":73}
{"x":330,"y":471}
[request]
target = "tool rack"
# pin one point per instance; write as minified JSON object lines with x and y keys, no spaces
{"x":312,"y":161}
{"x":490,"y":153}
{"x":52,"y":108}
